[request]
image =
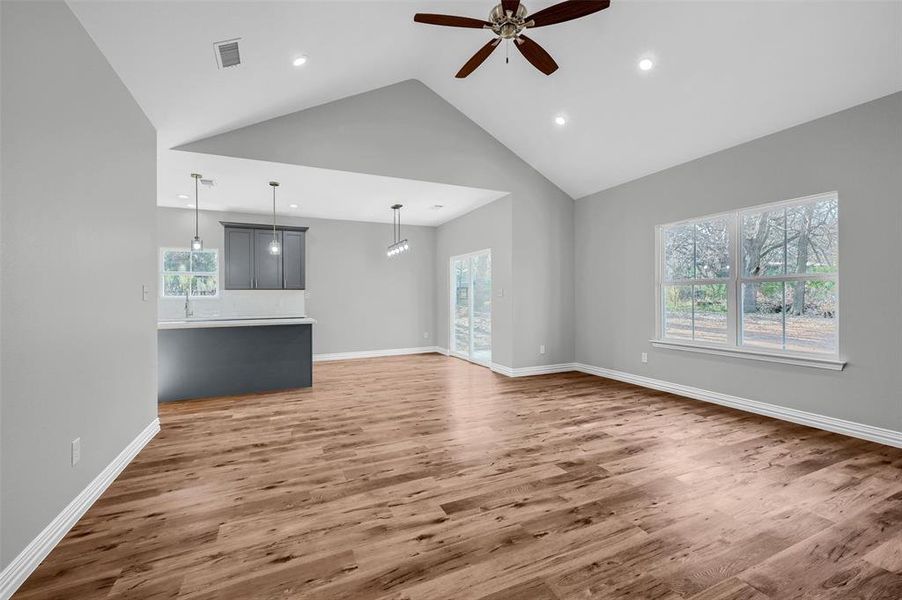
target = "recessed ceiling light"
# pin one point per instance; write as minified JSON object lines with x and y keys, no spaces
{"x":438,"y":206}
{"x":189,"y":206}
{"x":560,"y":120}
{"x":299,"y":61}
{"x":292,"y":206}
{"x":646,"y":64}
{"x":184,"y":196}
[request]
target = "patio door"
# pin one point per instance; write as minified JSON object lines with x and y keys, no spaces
{"x":471,"y":307}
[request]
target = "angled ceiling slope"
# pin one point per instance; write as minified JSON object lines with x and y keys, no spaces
{"x":726,"y":71}
{"x":403,"y":130}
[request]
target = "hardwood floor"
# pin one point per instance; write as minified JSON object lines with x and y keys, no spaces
{"x":427,"y":477}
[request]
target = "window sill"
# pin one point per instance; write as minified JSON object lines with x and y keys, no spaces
{"x":801,"y":360}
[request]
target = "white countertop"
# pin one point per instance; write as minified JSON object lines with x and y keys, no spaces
{"x":199,"y":322}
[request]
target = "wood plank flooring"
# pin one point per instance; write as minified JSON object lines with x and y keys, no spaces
{"x":426,"y":477}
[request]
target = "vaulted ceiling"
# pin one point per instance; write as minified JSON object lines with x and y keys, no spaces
{"x":725,"y":72}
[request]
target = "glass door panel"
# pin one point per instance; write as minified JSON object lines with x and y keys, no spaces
{"x":481,"y":268}
{"x":460,"y":306}
{"x":471,"y":307}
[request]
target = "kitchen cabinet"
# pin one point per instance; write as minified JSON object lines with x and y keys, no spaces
{"x":248,"y":264}
{"x":239,"y":259}
{"x":267,"y":267}
{"x":293,"y":259}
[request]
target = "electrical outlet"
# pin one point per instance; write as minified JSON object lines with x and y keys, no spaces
{"x":76,"y":451}
{"x":645,"y":357}
{"x":425,"y":335}
{"x":542,"y":349}
{"x":501,"y":292}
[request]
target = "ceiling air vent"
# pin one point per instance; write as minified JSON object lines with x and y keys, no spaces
{"x":227,"y":54}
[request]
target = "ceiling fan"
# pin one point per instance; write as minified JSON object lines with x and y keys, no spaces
{"x":508,"y":20}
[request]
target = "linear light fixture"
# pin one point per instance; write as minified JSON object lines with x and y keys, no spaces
{"x":197,"y":244}
{"x":398,"y":245}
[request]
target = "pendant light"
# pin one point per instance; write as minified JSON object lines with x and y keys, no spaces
{"x":275,"y":248}
{"x":398,"y":245}
{"x":197,"y":244}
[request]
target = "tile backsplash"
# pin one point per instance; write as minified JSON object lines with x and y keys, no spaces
{"x":237,"y":303}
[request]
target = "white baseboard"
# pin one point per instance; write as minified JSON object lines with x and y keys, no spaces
{"x":530,"y":371}
{"x":28,"y":560}
{"x":880,"y":435}
{"x":502,"y":369}
{"x":376,"y":353}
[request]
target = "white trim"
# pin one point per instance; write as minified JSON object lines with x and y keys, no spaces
{"x":37,"y":550}
{"x":786,"y":358}
{"x":502,"y":369}
{"x":880,"y":435}
{"x":441,"y":350}
{"x":376,"y":353}
{"x":530,"y":371}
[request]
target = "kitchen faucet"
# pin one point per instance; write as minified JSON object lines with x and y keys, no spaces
{"x":188,"y":311}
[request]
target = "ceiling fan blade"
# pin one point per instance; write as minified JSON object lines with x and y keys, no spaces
{"x":535,"y":54}
{"x":450,"y":21}
{"x":566,"y":11}
{"x":478,"y":58}
{"x":510,"y":6}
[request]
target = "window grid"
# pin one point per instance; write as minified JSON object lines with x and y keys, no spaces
{"x":190,"y":273}
{"x":738,"y":278}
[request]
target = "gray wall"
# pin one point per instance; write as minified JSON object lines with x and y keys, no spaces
{"x":78,"y":344}
{"x":361,"y":299}
{"x":857,"y":152}
{"x":406,"y":130}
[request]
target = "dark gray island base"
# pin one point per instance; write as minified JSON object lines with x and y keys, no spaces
{"x":199,"y":362}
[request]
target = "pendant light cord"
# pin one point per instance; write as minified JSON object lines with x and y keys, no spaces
{"x":196,"y":209}
{"x":273,"y":212}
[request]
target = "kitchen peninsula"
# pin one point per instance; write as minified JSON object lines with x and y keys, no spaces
{"x":204,"y":357}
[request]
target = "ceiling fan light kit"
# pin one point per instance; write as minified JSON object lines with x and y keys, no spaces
{"x":508,"y":20}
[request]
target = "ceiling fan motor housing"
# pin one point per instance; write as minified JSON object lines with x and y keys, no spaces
{"x":508,"y":26}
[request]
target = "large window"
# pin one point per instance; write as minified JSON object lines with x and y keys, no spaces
{"x":195,"y":273}
{"x":764,"y":279}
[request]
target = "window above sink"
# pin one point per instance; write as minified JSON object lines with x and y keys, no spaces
{"x":194,"y":273}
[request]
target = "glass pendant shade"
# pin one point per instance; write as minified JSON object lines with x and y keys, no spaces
{"x":197,"y":243}
{"x":275,"y":248}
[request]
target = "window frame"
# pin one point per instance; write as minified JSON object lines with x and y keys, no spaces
{"x":735,"y":281}
{"x":162,"y":273}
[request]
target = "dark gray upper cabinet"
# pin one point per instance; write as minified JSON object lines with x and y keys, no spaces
{"x":267,"y":267}
{"x":293,"y":259}
{"x":239,"y":259}
{"x":249,"y":265}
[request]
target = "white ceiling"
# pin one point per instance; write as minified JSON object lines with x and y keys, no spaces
{"x":241,"y":185}
{"x":726,"y":72}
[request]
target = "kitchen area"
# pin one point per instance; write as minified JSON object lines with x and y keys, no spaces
{"x":232,"y":316}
